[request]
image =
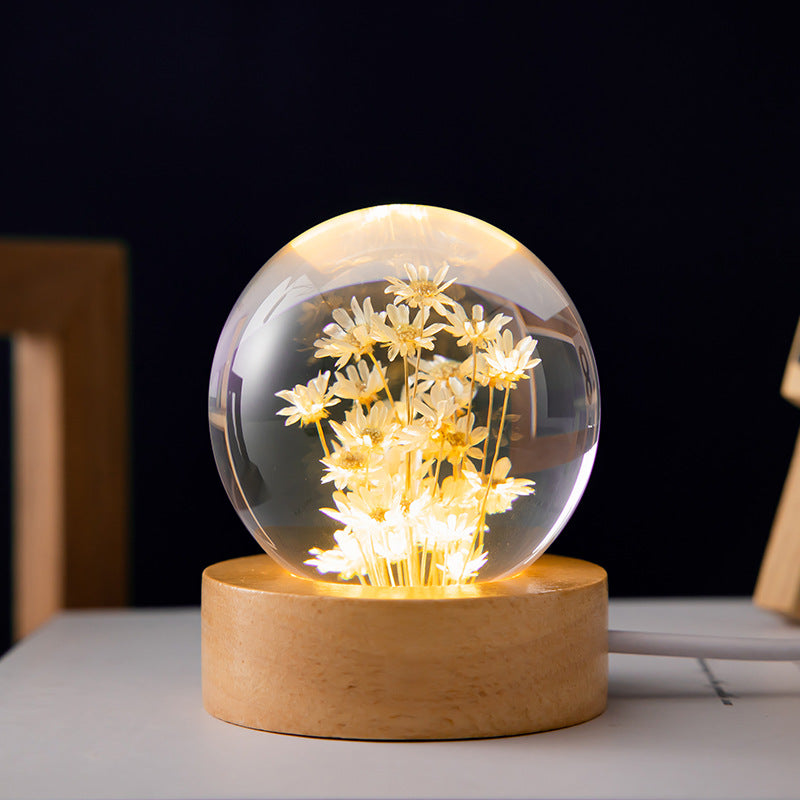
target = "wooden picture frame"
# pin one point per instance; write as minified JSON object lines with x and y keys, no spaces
{"x":64,"y":306}
{"x":778,"y":585}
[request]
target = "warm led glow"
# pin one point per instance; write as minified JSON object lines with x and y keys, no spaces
{"x":416,"y":476}
{"x":404,"y":396}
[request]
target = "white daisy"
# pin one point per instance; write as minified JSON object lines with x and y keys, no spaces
{"x":308,"y":402}
{"x":474,"y":330}
{"x":502,"y":491}
{"x":360,"y":383}
{"x":439,"y":369}
{"x":402,"y":336}
{"x":349,"y":338}
{"x":392,"y":545}
{"x":436,"y":407}
{"x":459,"y":495}
{"x":374,"y":431}
{"x":346,"y":558}
{"x":460,"y":440}
{"x":461,"y":390}
{"x":507,"y":363}
{"x":349,"y":467}
{"x":458,"y":566}
{"x":421,"y":291}
{"x":452,"y":529}
{"x":364,"y":509}
{"x":407,"y":516}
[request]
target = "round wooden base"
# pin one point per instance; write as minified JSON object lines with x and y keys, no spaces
{"x":285,"y":654}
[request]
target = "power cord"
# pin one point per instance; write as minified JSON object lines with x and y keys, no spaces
{"x":670,"y":644}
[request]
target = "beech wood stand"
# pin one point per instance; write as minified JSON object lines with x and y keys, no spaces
{"x":285,"y":654}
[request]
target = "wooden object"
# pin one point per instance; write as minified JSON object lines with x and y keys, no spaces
{"x":285,"y":654}
{"x":64,"y":305}
{"x":778,"y":586}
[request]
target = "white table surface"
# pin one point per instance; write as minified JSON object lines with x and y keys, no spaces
{"x":107,"y":705}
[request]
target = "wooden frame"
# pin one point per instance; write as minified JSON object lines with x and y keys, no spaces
{"x":778,"y":586}
{"x":64,"y":305}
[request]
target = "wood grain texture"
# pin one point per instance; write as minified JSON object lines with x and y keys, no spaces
{"x":64,"y":305}
{"x":778,"y":585}
{"x":285,"y":654}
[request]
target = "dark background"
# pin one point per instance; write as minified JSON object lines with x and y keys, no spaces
{"x":647,"y":154}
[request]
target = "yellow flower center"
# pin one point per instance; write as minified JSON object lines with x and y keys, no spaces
{"x":350,"y":460}
{"x":407,"y":333}
{"x":375,"y":435}
{"x":455,"y":438}
{"x":424,"y":288}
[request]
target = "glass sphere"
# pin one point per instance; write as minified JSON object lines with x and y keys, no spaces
{"x":404,"y":396}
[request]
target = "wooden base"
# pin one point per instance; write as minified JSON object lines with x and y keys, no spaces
{"x":285,"y":654}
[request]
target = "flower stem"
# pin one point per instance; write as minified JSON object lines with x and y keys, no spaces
{"x":322,"y":439}
{"x":472,"y":381}
{"x":468,"y":427}
{"x":383,"y":379}
{"x":371,"y":580}
{"x":500,"y":429}
{"x":488,"y":430}
{"x":416,"y":375}
{"x":408,"y":422}
{"x":387,"y":569}
{"x":408,"y":397}
{"x":410,"y":554}
{"x":490,"y":477}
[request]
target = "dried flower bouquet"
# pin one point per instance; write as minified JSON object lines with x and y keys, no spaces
{"x":415,"y":476}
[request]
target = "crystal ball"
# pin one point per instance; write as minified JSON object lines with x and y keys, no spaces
{"x":404,"y":396}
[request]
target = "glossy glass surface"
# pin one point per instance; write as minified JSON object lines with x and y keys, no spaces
{"x":340,"y":473}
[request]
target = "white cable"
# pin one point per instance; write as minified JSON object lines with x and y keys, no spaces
{"x":671,"y":644}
